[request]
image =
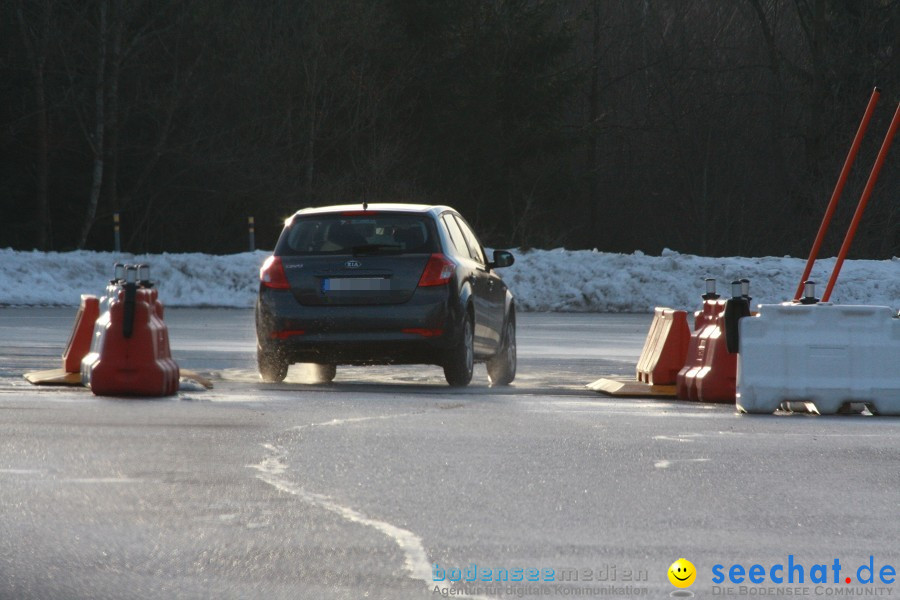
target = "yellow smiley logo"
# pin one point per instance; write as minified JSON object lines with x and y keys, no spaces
{"x":682,"y":573}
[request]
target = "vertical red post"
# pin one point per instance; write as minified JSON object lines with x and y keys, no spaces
{"x":863,"y":200}
{"x":838,"y":190}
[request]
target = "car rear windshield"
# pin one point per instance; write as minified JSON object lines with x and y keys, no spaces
{"x":373,"y":233}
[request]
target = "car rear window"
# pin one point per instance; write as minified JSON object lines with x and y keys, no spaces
{"x":376,"y":233}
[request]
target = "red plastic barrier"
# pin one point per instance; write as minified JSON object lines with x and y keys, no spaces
{"x":157,"y":305}
{"x":139,"y":365}
{"x":665,"y":348}
{"x":710,"y":372}
{"x":80,"y":341}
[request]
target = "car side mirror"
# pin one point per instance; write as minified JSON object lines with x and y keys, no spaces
{"x":502,"y":258}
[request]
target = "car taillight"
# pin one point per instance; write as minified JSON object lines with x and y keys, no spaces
{"x":424,"y":332}
{"x":271,"y":274}
{"x":438,"y":271}
{"x":285,"y":334}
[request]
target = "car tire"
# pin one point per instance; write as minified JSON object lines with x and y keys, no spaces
{"x":502,"y":367}
{"x":460,"y":361}
{"x":272,"y":365}
{"x":326,"y":373}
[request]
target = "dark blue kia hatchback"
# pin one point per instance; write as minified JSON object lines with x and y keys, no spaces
{"x":384,"y":284}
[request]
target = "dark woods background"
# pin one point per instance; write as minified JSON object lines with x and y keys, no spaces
{"x":714,"y":127}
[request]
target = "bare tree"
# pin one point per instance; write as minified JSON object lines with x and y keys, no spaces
{"x":97,"y":138}
{"x":36,"y":33}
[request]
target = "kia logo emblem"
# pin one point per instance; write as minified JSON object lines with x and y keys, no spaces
{"x":352,"y":264}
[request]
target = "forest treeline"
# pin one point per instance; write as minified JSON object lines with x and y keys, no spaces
{"x":715,"y":127}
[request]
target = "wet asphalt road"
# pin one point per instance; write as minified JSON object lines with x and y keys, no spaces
{"x":357,"y":489}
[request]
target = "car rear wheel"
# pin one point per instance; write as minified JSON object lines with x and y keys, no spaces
{"x":461,"y":359}
{"x":502,"y":367}
{"x":273,"y":366}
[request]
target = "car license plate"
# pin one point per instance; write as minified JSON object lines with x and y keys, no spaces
{"x":355,"y":284}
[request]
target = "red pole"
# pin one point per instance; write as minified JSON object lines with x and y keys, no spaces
{"x":863,"y":200}
{"x":838,"y":189}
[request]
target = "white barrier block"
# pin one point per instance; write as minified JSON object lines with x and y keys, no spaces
{"x":819,"y":353}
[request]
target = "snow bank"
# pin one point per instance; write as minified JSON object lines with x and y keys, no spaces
{"x":542,"y":280}
{"x":59,"y":278}
{"x":591,"y":281}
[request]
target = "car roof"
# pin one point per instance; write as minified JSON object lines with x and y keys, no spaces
{"x":376,"y":207}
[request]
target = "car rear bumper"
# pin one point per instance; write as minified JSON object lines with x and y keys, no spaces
{"x":327,"y":349}
{"x":416,"y":332}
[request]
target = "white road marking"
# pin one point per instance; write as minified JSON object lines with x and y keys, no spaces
{"x":101,"y":480}
{"x":335,"y":422}
{"x":611,"y":406}
{"x":71,"y":479}
{"x":271,"y":471}
{"x":665,"y":464}
{"x":684,"y":437}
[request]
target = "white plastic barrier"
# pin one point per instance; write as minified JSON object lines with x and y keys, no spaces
{"x":819,"y":353}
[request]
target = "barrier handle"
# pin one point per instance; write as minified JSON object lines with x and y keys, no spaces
{"x":735,"y":310}
{"x":130,"y":287}
{"x":863,"y":201}
{"x":128,"y":313}
{"x":838,"y":189}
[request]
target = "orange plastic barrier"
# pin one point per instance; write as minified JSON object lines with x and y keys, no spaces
{"x":710,"y":372}
{"x":665,"y":348}
{"x":131,"y":359}
{"x":80,"y":341}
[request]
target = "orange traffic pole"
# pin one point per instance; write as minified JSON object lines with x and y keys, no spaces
{"x":838,"y":189}
{"x":863,"y":200}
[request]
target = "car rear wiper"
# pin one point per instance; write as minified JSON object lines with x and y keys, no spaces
{"x":374,"y":248}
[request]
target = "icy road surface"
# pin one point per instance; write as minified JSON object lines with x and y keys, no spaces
{"x":359,"y":488}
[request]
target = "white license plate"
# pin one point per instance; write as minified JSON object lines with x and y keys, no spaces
{"x":355,"y":284}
